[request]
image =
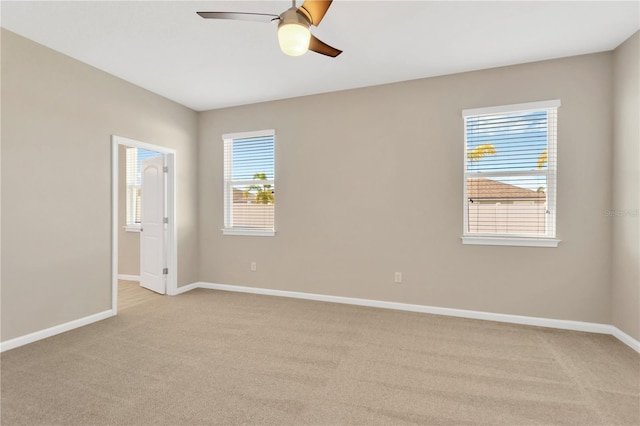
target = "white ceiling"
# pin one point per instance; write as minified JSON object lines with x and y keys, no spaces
{"x":205,"y":64}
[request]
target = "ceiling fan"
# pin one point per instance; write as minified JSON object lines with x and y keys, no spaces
{"x":294,"y":35}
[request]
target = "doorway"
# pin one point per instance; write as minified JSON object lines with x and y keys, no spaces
{"x":152,"y":218}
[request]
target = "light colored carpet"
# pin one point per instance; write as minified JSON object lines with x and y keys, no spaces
{"x":211,"y":357}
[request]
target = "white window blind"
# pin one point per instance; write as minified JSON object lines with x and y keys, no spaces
{"x":249,"y":181}
{"x":134,"y":157}
{"x":510,"y":170}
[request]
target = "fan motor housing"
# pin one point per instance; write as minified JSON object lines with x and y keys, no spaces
{"x":293,"y":16}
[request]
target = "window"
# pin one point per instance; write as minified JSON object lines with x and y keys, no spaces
{"x":510,"y":174}
{"x":249,"y":183}
{"x":134,"y":156}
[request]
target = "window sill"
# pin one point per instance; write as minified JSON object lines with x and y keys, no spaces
{"x":132,"y":228}
{"x":510,"y":241}
{"x":248,"y":232}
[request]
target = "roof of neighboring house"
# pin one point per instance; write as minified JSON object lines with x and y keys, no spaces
{"x":239,"y":195}
{"x":483,"y":189}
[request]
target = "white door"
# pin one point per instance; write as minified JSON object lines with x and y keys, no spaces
{"x":152,"y":260}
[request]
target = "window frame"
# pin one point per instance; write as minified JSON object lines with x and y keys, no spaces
{"x":133,"y":186}
{"x":130,"y":194}
{"x":549,"y":238}
{"x":229,"y":183}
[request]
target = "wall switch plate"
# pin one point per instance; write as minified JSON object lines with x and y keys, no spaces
{"x":254,"y":267}
{"x":398,"y":277}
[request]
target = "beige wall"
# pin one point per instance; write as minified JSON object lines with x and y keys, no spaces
{"x":128,"y":242}
{"x":347,"y":164}
{"x":626,"y":188}
{"x":58,"y":116}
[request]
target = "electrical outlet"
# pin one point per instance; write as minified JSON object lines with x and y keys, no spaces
{"x":254,"y":267}
{"x":398,"y":277}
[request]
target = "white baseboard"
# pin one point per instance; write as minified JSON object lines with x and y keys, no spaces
{"x":126,"y":277}
{"x":462,"y":313}
{"x":625,"y":338}
{"x":52,"y":331}
{"x":184,"y":289}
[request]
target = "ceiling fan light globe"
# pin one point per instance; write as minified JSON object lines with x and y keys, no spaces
{"x":294,"y":39}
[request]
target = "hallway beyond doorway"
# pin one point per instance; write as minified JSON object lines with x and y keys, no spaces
{"x":130,"y":294}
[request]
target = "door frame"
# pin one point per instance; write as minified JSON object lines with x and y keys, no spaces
{"x":171,"y":241}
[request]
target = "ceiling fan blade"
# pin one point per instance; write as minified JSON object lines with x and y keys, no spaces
{"x":242,"y":16}
{"x":323,"y":48}
{"x":315,"y":10}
